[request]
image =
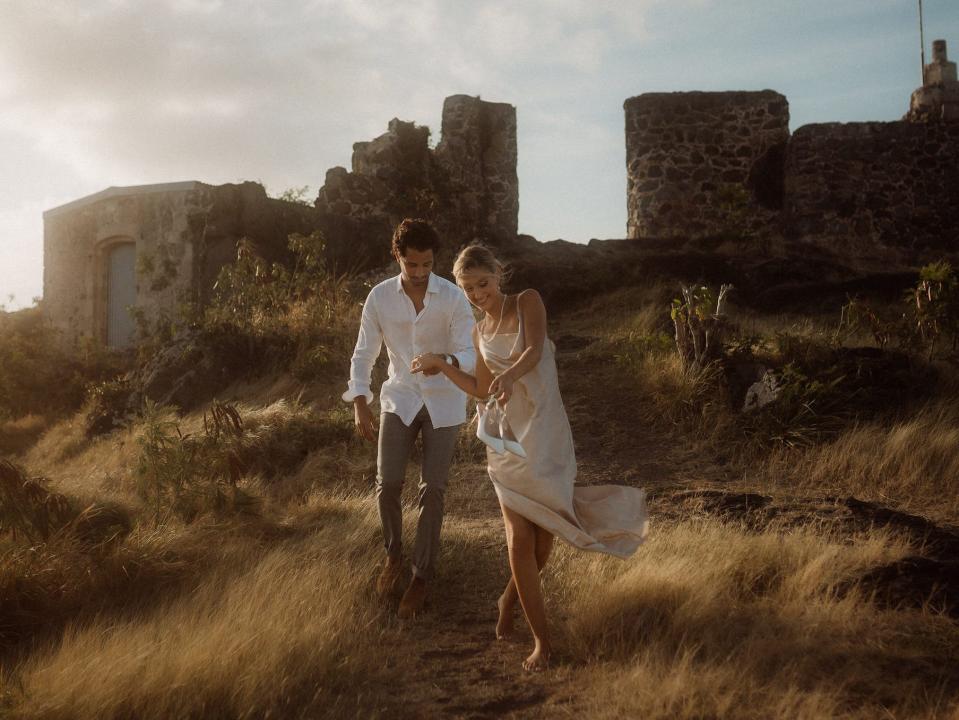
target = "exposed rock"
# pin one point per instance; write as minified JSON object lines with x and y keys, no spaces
{"x":195,"y":367}
{"x":763,"y":392}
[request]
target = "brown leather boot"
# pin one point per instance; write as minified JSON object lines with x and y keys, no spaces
{"x":413,"y":599}
{"x":389,"y":578}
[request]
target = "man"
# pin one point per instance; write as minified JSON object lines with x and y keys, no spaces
{"x":413,"y":313}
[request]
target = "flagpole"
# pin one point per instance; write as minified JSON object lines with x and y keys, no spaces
{"x":922,"y":46}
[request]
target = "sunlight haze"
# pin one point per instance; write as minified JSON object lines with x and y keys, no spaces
{"x":109,"y":92}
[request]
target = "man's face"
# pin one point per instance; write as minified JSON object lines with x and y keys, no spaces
{"x":416,"y":266}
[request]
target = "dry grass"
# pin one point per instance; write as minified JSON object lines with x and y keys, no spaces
{"x":17,"y":436}
{"x":283,"y":632}
{"x":709,"y":621}
{"x":913,"y":463}
{"x":273,"y":616}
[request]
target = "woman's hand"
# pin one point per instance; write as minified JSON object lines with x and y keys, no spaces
{"x":428,"y":363}
{"x":502,"y":388}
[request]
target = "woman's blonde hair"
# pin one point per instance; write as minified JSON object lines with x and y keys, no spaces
{"x":477,"y":257}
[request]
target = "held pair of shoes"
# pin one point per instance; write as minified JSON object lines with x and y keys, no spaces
{"x":388,"y":583}
{"x":493,"y":429}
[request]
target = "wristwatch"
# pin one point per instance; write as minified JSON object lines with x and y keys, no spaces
{"x":451,"y":359}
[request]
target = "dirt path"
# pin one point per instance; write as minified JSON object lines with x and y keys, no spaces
{"x":462,"y":671}
{"x":466,"y":672}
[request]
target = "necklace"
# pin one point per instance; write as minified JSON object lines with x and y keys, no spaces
{"x":502,"y":310}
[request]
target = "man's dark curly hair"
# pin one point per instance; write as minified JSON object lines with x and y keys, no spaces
{"x":417,"y":234}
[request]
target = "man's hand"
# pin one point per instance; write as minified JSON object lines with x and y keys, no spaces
{"x":363,"y":418}
{"x":427,"y":363}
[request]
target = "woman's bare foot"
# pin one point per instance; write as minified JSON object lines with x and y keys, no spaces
{"x":504,"y":626}
{"x":539,"y":660}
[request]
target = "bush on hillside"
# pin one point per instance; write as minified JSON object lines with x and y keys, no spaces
{"x":189,"y":474}
{"x":37,"y":376}
{"x":302,"y":315}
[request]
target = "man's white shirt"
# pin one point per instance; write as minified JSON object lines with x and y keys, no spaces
{"x":444,"y":325}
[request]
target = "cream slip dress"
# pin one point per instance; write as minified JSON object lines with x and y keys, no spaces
{"x":603,"y":518}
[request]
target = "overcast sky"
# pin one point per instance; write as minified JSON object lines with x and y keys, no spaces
{"x":113,"y":92}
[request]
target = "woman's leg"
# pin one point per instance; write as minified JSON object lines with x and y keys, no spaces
{"x":507,"y":601}
{"x":521,"y":538}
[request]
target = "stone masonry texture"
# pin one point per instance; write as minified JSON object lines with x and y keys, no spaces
{"x":467,"y":186}
{"x":183,"y":233}
{"x":704,"y":163}
{"x":884,"y":190}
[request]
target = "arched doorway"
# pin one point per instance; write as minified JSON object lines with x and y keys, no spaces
{"x":121,"y":293}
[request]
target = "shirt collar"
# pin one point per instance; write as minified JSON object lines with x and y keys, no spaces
{"x":432,"y":285}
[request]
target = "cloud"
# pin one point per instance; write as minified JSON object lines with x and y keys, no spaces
{"x":131,"y":92}
{"x":115,"y":92}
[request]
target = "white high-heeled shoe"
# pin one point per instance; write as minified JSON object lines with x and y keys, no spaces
{"x":488,"y":426}
{"x":509,"y":438}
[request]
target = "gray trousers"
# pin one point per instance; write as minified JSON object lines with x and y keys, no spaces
{"x":393,"y":452}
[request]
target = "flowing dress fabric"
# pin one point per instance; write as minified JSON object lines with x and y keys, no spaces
{"x":603,"y":518}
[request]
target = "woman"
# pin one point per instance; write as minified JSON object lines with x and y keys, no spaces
{"x":515,"y":363}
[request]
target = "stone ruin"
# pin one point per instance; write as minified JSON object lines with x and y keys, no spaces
{"x":691,"y":156}
{"x":700,"y":165}
{"x":152,"y":247}
{"x":723,"y":165}
{"x":467,"y":186}
{"x":158,"y":246}
{"x":938,"y":98}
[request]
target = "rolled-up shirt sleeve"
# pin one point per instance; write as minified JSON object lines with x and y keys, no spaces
{"x":369,"y":343}
{"x":461,"y":334}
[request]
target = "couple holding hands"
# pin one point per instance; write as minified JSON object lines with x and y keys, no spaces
{"x":438,"y":354}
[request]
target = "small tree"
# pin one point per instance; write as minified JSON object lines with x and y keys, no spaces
{"x":935,"y":305}
{"x":699,"y":319}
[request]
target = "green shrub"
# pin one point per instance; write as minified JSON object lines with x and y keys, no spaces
{"x":28,"y":508}
{"x":302,"y":317}
{"x":37,"y":376}
{"x":934,"y":305}
{"x":187,"y":475}
{"x":108,"y":405}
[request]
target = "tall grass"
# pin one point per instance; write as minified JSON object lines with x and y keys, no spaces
{"x":284,"y":632}
{"x":869,"y":422}
{"x":709,"y":621}
{"x":912,"y":463}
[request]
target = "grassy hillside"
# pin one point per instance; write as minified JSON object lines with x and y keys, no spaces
{"x":218,"y":561}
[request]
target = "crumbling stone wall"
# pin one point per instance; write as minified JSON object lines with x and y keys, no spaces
{"x":881,"y":190}
{"x":704,"y":163}
{"x":467,"y":186}
{"x":183,"y":234}
{"x":77,"y":239}
{"x":478,"y":154}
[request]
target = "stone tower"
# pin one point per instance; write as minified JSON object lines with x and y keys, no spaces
{"x":938,"y":98}
{"x":467,"y":186}
{"x":704,"y":163}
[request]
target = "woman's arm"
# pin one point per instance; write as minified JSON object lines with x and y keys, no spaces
{"x":476,"y":385}
{"x":530,"y":305}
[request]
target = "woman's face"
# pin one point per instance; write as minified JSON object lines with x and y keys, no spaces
{"x":482,"y":289}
